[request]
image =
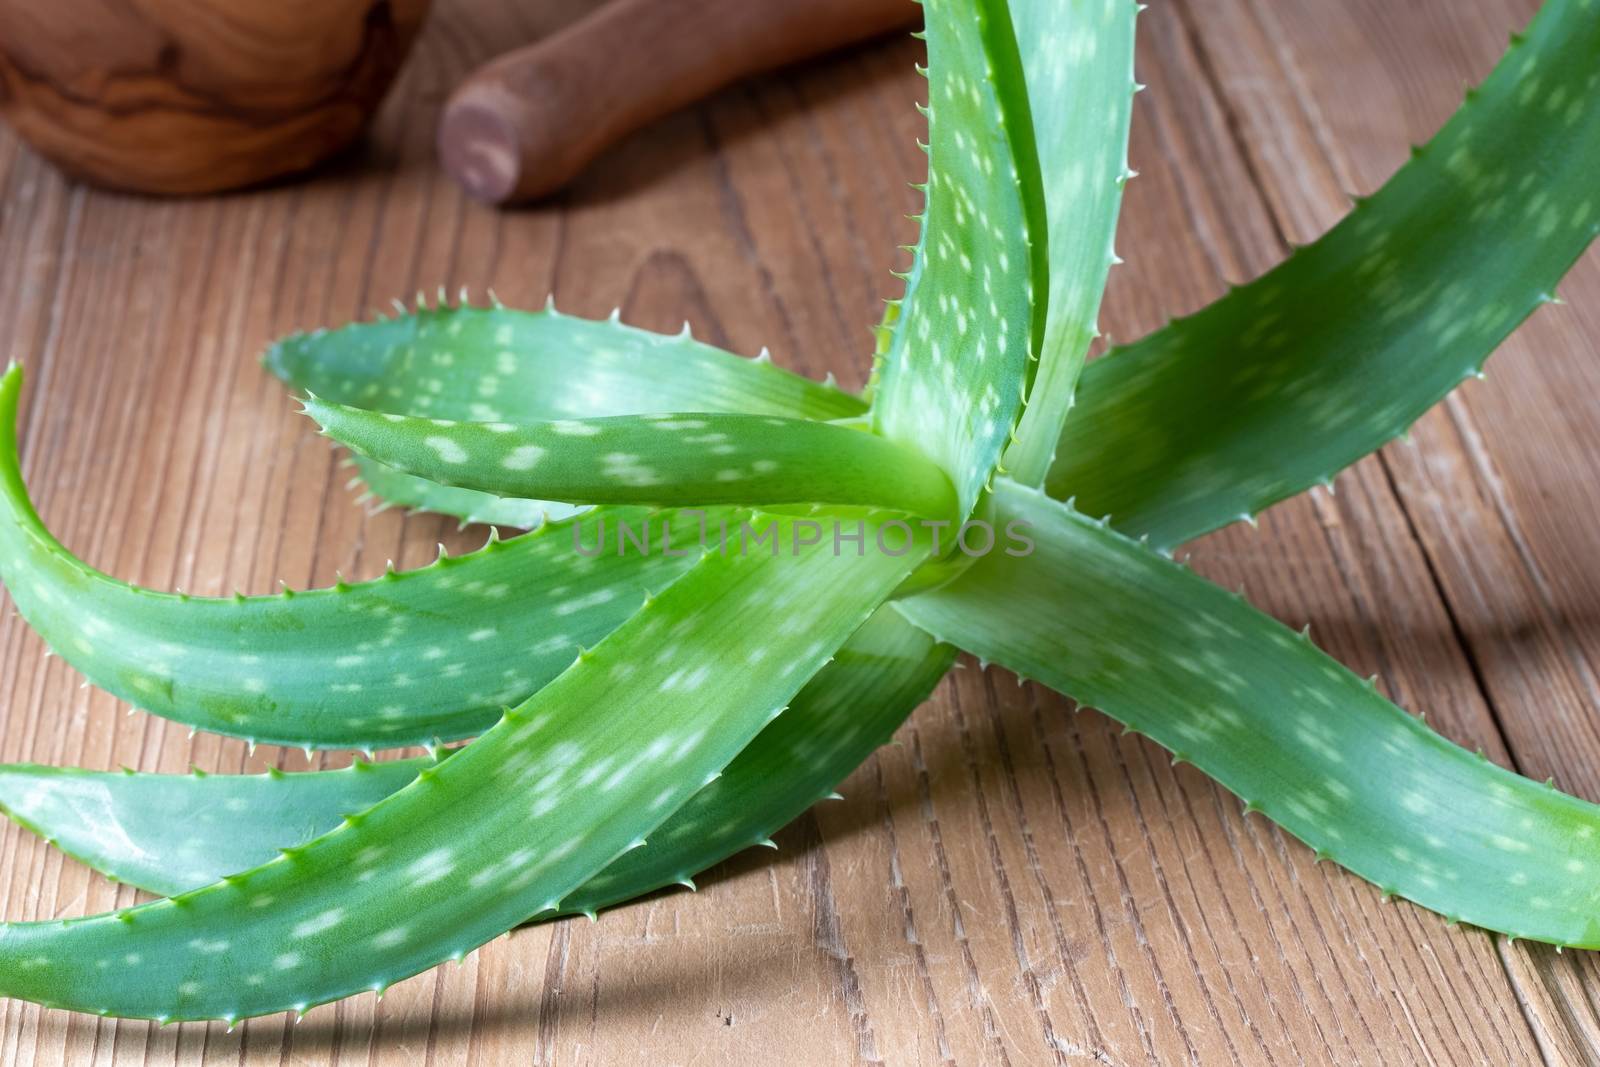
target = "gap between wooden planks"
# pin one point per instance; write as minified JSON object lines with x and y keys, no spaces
{"x":1009,"y":883}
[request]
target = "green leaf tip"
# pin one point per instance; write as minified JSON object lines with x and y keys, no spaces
{"x":1289,"y":731}
{"x":176,"y":832}
{"x":400,"y":660}
{"x":491,"y":364}
{"x":1289,"y":379}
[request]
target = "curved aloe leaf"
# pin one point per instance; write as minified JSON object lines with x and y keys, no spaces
{"x":170,"y":833}
{"x":1281,"y":724}
{"x":398,"y":489}
{"x":1077,"y":57}
{"x":496,"y":364}
{"x":962,"y":355}
{"x":499,"y":365}
{"x":505,"y":828}
{"x":173,"y":833}
{"x":404,"y":659}
{"x":665,"y":459}
{"x":1286,"y":381}
{"x":841,"y":717}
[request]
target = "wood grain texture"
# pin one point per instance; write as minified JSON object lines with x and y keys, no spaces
{"x":193,"y":96}
{"x":1009,"y":883}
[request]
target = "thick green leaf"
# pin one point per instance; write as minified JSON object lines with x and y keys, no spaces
{"x":958,"y":366}
{"x":563,"y":785}
{"x":404,"y":659}
{"x":170,"y":833}
{"x":394,"y":488}
{"x":498,"y":365}
{"x":667,"y":459}
{"x":1289,"y":379}
{"x":851,"y":708}
{"x":173,"y":833}
{"x":1077,"y":56}
{"x":1281,"y":724}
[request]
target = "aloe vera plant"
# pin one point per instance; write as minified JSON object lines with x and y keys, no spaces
{"x":640,"y":715}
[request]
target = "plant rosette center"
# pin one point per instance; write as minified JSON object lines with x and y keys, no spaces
{"x":956,"y":546}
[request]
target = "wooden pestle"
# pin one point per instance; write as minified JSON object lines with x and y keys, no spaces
{"x":523,"y":125}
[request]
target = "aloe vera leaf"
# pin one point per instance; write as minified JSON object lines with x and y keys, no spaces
{"x":1077,"y":57}
{"x":852,"y":707}
{"x":565,"y":783}
{"x":1281,"y":724}
{"x":497,"y":364}
{"x":664,"y":459}
{"x":404,"y":659}
{"x":172,"y":833}
{"x":399,"y":489}
{"x":1284,"y":382}
{"x":962,"y":352}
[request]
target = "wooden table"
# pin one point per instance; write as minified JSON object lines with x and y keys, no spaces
{"x":1009,"y":882}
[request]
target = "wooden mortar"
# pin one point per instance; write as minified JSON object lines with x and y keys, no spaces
{"x":193,"y":96}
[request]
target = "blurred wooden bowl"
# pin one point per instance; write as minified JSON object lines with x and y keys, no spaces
{"x":193,"y":96}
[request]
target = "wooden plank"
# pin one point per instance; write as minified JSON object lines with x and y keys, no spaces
{"x":1492,"y":488}
{"x":1008,"y":883}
